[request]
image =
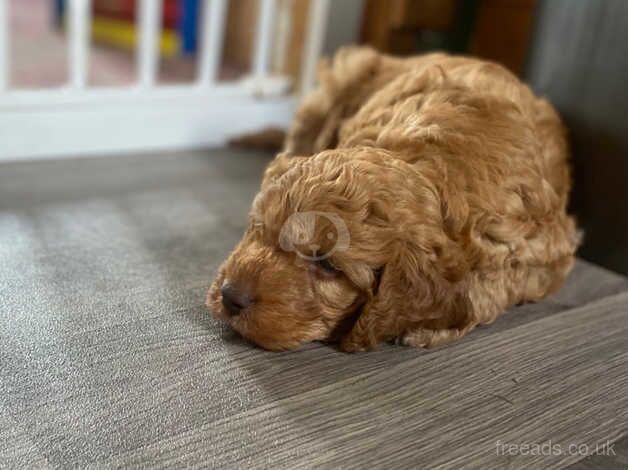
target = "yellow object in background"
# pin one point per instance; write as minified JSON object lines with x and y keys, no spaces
{"x":125,"y":35}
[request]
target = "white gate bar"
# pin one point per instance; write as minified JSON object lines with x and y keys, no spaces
{"x":148,"y":47}
{"x":214,"y":20}
{"x":283,"y":29}
{"x":79,"y":20}
{"x":266,"y":12}
{"x":317,"y":22}
{"x":5,"y":68}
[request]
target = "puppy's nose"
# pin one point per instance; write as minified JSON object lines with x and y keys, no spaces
{"x":234,"y":299}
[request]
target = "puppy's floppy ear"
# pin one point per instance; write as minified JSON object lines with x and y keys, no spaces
{"x":410,"y":290}
{"x":419,"y":280}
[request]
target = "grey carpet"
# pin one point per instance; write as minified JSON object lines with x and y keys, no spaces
{"x":108,"y":357}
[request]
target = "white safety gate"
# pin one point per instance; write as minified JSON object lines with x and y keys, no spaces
{"x":81,"y":120}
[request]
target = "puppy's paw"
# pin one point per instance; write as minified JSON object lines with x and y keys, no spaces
{"x":426,"y":338}
{"x":419,"y":338}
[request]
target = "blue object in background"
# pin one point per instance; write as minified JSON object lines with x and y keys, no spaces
{"x":188,"y":25}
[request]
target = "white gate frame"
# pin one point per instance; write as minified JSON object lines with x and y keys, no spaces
{"x":77,"y":120}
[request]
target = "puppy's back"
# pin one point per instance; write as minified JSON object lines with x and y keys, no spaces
{"x":359,"y":84}
{"x":495,"y":155}
{"x":473,"y":111}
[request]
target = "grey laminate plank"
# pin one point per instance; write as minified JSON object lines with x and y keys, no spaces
{"x":607,"y":457}
{"x":152,"y":378}
{"x":589,"y":282}
{"x":560,"y":379}
{"x":17,"y":449}
{"x":107,"y":354}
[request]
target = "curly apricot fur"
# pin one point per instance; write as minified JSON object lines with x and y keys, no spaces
{"x":452,"y":179}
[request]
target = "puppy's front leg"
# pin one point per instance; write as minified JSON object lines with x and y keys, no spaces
{"x":368,"y":331}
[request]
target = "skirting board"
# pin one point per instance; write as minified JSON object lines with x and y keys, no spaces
{"x":111,"y":122}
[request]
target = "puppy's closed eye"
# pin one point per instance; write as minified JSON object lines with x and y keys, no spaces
{"x":326,"y":268}
{"x":326,"y":265}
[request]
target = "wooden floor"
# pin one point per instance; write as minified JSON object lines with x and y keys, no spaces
{"x":108,"y":357}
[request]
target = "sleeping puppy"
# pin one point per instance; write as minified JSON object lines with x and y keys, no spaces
{"x":415,"y":199}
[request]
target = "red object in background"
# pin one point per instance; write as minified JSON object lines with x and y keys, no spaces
{"x":127,"y":10}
